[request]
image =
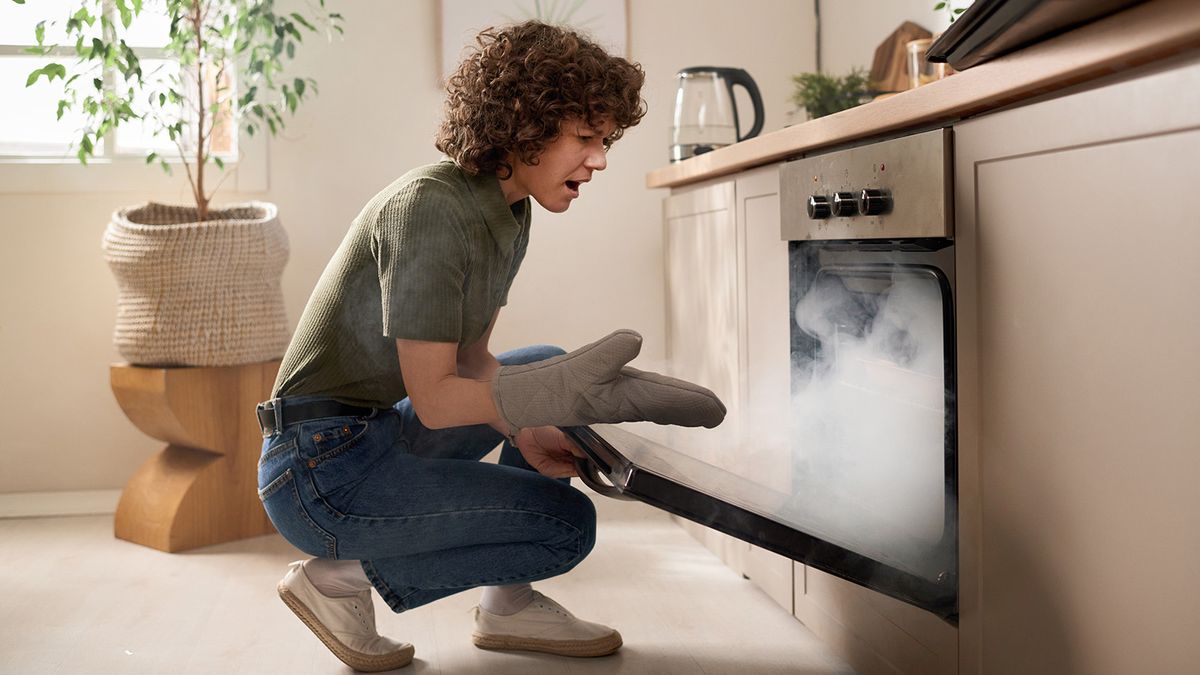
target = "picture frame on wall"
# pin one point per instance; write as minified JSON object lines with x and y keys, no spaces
{"x":605,"y":21}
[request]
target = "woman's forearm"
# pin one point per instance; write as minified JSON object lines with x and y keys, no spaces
{"x":457,"y":402}
{"x":447,"y":388}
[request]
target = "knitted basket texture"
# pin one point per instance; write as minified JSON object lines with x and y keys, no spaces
{"x":198,"y":294}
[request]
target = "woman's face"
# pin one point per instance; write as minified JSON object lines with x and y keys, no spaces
{"x":563,"y":167}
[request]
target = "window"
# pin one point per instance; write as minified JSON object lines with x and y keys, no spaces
{"x":28,"y":129}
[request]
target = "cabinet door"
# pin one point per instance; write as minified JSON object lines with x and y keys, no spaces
{"x":1080,"y":414}
{"x":765,"y":363}
{"x":701,"y":259}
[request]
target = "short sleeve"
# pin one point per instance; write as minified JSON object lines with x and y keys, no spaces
{"x":420,"y":245}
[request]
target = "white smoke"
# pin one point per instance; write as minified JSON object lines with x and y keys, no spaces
{"x":868,"y":417}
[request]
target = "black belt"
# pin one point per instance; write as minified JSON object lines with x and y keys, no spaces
{"x":278,"y":413}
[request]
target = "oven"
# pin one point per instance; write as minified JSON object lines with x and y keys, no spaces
{"x":867,"y":487}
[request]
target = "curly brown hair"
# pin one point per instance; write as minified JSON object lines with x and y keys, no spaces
{"x":509,"y":96}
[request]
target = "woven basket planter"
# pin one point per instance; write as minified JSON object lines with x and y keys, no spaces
{"x":198,"y":294}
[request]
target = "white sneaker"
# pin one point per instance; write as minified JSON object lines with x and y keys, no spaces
{"x":346,"y":625}
{"x":544,"y":626}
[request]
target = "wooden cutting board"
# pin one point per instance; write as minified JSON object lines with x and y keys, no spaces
{"x":889,"y":70}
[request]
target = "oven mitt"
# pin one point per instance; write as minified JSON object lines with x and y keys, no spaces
{"x":593,"y":385}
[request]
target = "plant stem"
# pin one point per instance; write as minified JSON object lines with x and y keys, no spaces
{"x":198,"y":188}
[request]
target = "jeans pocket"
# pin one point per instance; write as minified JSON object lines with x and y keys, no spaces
{"x":339,"y":452}
{"x":284,"y":506}
{"x":322,"y":440}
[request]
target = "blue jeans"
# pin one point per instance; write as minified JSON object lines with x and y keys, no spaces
{"x":413,"y":504}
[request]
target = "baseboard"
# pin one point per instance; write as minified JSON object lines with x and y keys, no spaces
{"x":67,"y":503}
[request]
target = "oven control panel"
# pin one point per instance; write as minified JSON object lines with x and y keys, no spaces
{"x":900,"y":188}
{"x":868,"y":202}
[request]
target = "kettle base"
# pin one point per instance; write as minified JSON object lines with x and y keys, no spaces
{"x":684,"y":151}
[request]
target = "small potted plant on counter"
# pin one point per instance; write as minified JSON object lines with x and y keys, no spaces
{"x":820,"y":94}
{"x":199,"y":284}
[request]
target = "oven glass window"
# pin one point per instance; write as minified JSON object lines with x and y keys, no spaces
{"x":869,"y":424}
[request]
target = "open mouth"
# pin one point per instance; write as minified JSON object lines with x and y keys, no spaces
{"x":573,"y":186}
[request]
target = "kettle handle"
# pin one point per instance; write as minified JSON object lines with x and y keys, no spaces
{"x":737,"y":76}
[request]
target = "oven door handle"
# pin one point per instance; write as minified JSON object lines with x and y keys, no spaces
{"x":589,"y":473}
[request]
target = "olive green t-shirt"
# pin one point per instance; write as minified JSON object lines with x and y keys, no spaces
{"x":431,"y":257}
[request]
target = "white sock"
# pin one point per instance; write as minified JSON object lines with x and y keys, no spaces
{"x":506,"y":600}
{"x":337,"y":578}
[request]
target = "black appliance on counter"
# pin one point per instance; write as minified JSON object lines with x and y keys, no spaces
{"x":991,"y":28}
{"x":867,"y":487}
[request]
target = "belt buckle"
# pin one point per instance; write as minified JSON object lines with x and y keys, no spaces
{"x":275,"y":405}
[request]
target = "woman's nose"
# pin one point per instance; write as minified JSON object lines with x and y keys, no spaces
{"x":596,"y":160}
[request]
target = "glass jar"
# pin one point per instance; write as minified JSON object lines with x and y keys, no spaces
{"x":920,"y":70}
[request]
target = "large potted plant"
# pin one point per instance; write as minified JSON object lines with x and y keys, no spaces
{"x":199,"y":284}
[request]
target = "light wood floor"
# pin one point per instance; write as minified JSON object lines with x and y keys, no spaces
{"x":76,"y":600}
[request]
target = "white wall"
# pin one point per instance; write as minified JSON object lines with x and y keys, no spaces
{"x":593,"y":269}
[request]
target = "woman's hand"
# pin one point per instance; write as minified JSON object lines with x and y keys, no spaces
{"x":549,"y":451}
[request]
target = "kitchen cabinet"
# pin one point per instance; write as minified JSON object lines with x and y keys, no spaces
{"x":701,"y":262}
{"x":1079,"y":372}
{"x":763,"y":323}
{"x":727,"y":328}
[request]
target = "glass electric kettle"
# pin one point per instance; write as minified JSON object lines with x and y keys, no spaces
{"x":706,"y":116}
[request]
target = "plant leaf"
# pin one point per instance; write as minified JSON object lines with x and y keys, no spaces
{"x":126,"y":15}
{"x":303,"y":22}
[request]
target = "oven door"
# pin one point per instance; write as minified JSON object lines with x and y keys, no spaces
{"x":868,"y":485}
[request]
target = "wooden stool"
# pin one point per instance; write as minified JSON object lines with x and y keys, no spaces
{"x":203,"y":487}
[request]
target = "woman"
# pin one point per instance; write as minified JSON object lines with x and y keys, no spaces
{"x":388,"y":393}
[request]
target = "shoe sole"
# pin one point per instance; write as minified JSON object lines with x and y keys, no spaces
{"x":601,"y":646}
{"x":368,"y":663}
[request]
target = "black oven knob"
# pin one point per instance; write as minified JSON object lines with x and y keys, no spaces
{"x":872,"y":202}
{"x":844,"y":204}
{"x":818,"y":207}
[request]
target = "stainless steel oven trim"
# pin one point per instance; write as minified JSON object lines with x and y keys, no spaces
{"x":916,"y":171}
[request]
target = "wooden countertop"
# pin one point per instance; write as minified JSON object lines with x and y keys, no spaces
{"x":1148,"y":32}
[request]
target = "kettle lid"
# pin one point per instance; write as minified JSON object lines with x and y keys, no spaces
{"x":694,"y":70}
